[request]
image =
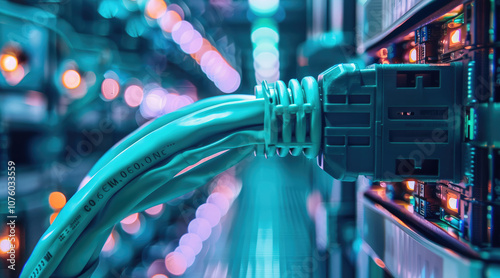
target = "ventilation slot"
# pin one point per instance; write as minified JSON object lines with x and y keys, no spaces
{"x":407,"y":79}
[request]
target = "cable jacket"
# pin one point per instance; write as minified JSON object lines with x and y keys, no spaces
{"x":136,"y":159}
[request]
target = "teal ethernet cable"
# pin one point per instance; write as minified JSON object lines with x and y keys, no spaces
{"x":178,"y":135}
{"x":230,"y":126}
{"x":146,"y":184}
{"x":158,"y":122}
{"x":197,"y":176}
{"x":351,"y":113}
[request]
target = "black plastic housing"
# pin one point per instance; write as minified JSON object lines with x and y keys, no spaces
{"x":393,"y":122}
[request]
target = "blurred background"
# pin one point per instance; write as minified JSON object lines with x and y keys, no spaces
{"x":77,"y":76}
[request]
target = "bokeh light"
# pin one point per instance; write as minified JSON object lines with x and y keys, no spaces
{"x":155,"y":210}
{"x":13,"y":78}
{"x":110,"y":88}
{"x":53,"y":217}
{"x":266,"y":60}
{"x":109,"y":245}
{"x":265,"y":34}
{"x":265,"y":40}
{"x":224,"y":190}
{"x":8,"y":62}
{"x":188,"y":253}
{"x":159,"y":276}
{"x":132,"y":228}
{"x":35,"y":98}
{"x":57,"y":200}
{"x":176,"y":8}
{"x":220,"y":200}
{"x":205,"y":46}
{"x":159,"y":101}
{"x":175,"y":263}
{"x":179,"y":29}
{"x":230,"y":182}
{"x":229,"y":83}
{"x":156,"y":8}
{"x":133,"y":95}
{"x":264,"y":7}
{"x":157,"y":269}
{"x":191,"y":41}
{"x":210,"y":59}
{"x":5,"y":245}
{"x":265,"y":47}
{"x":174,"y":102}
{"x":108,"y":8}
{"x":135,"y":27}
{"x":130,"y":219}
{"x":153,"y":103}
{"x":201,"y":227}
{"x":216,"y":68}
{"x":79,"y":91}
{"x":192,"y":240}
{"x":71,"y":79}
{"x":210,"y":212}
{"x":168,"y":20}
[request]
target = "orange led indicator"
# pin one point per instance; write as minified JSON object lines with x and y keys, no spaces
{"x":413,"y":55}
{"x":453,"y":203}
{"x":382,"y":53}
{"x":410,"y":185}
{"x":455,"y":36}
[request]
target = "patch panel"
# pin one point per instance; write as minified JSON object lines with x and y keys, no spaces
{"x":454,"y":37}
{"x":442,"y":33}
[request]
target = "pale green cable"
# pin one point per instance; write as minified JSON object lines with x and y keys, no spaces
{"x":191,"y":125}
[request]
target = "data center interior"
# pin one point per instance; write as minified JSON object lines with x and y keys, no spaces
{"x":386,"y":163}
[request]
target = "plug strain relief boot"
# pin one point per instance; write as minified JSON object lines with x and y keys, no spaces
{"x":292,"y":121}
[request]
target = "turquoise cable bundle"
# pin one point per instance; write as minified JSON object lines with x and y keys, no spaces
{"x":152,"y":155}
{"x":171,"y":156}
